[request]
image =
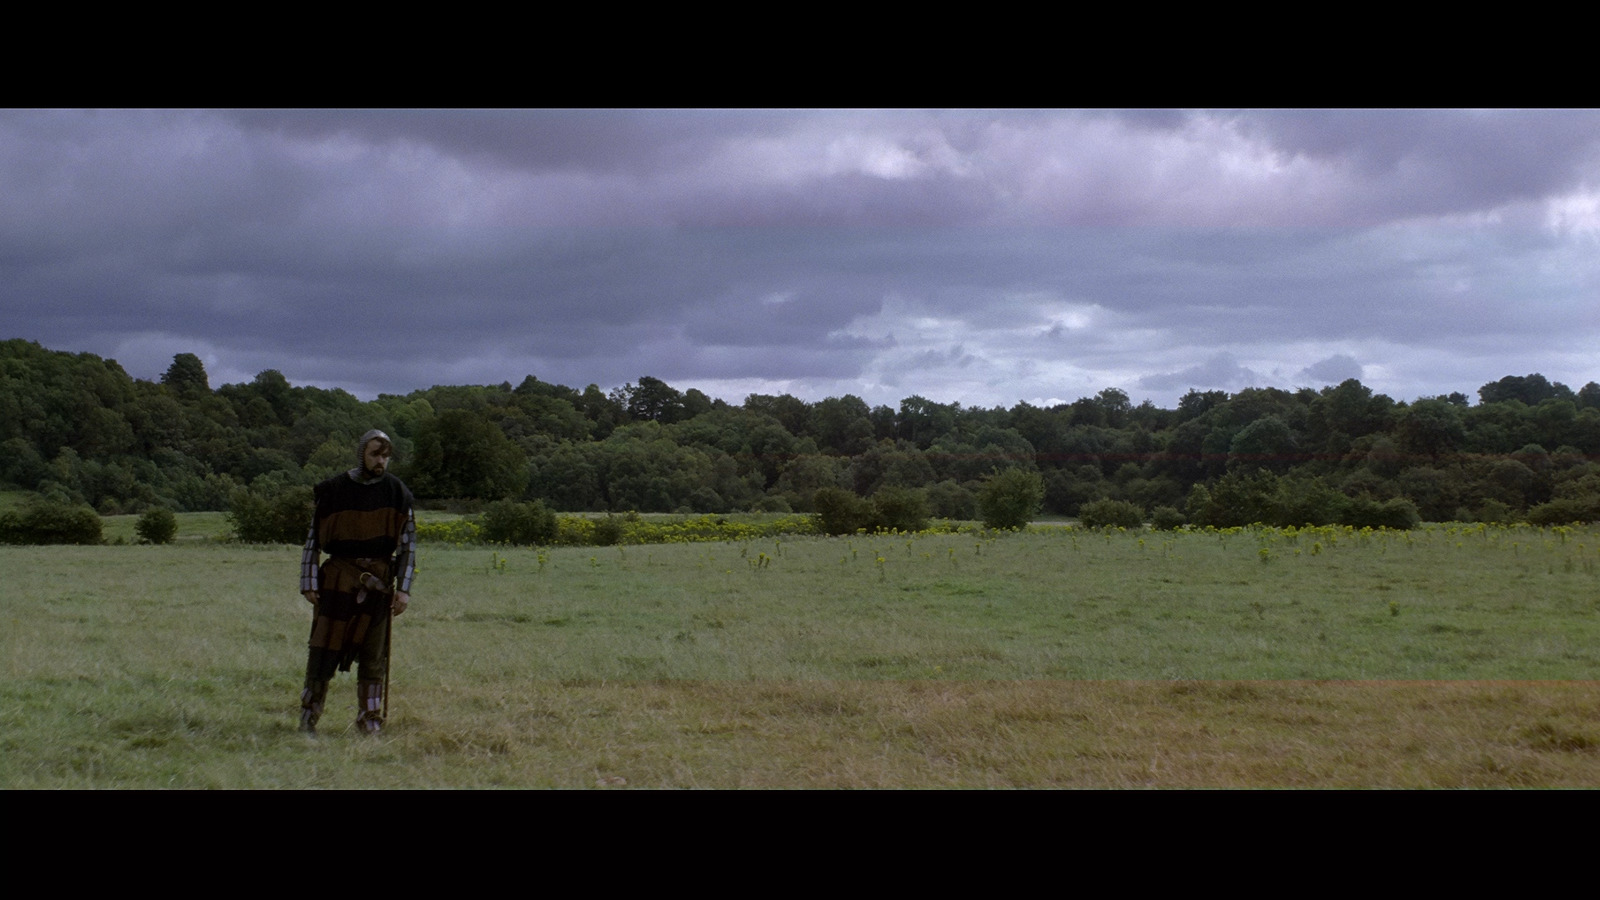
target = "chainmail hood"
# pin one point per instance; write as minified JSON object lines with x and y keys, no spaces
{"x":360,"y":445}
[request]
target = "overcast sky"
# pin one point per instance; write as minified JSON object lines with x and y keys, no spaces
{"x":979,"y":257}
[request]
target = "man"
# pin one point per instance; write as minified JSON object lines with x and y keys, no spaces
{"x":364,"y":523}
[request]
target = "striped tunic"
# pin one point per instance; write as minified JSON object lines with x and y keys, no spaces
{"x":359,"y":520}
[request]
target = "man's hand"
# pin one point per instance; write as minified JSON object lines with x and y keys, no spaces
{"x":311,"y":597}
{"x":400,"y":602}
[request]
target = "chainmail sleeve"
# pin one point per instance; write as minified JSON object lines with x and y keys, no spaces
{"x":308,"y":562}
{"x":406,"y":556}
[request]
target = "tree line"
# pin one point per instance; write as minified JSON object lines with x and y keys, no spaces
{"x":76,"y":428}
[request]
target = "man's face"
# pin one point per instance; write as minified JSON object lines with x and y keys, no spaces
{"x":375,"y":457}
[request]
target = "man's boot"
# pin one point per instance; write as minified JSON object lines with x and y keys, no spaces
{"x":311,"y":700}
{"x":369,"y":707}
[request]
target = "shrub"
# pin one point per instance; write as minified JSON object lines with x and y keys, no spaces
{"x":1010,"y":499}
{"x":1399,"y":513}
{"x":1563,"y":511}
{"x":608,"y":531}
{"x":841,"y":512}
{"x":705,"y":500}
{"x":1308,"y":501}
{"x":1236,"y":499}
{"x":1494,"y":512}
{"x":50,"y":522}
{"x":510,"y":522}
{"x":950,"y":500}
{"x":574,"y":531}
{"x":1166,"y":518}
{"x":1111,"y":513}
{"x":158,"y":525}
{"x":772,"y":505}
{"x":456,"y":531}
{"x":709,"y":528}
{"x":283,"y":517}
{"x":900,"y":509}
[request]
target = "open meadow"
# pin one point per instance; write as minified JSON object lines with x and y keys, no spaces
{"x":1449,"y":656}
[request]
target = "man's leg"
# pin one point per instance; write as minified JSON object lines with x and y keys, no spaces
{"x":320,"y":665}
{"x":369,"y":706}
{"x":372,"y":670}
{"x":312,"y":698}
{"x":322,"y":661}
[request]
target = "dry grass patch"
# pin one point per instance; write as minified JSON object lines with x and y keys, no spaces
{"x":1444,"y":658}
{"x":1083,"y":734}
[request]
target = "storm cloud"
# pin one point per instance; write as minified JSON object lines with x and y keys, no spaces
{"x":971,"y":256}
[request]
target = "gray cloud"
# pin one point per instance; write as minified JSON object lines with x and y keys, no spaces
{"x":1333,"y":370}
{"x":1221,"y":371}
{"x":972,"y":256}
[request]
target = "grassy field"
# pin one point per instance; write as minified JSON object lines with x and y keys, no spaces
{"x":206,"y":526}
{"x":1450,"y":656}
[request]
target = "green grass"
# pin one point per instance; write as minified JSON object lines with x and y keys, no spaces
{"x":201,"y":526}
{"x":1449,"y":656}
